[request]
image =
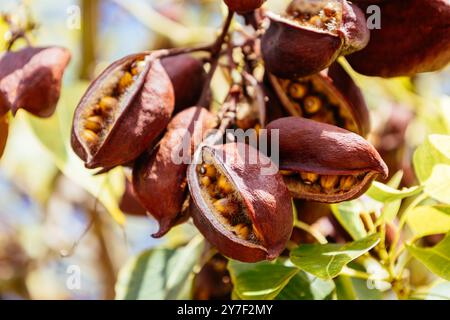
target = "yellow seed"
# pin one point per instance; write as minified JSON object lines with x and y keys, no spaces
{"x":205,"y":181}
{"x":90,"y":137}
{"x":347,"y":182}
{"x":108,"y":104}
{"x":224,"y":185}
{"x":94,"y":123}
{"x":312,"y":104}
{"x":286,"y":173}
{"x":298,"y":90}
{"x":329,"y":182}
{"x":125,"y":81}
{"x":316,"y":21}
{"x":226,"y":207}
{"x":242,"y":231}
{"x":309,"y":177}
{"x":138,"y":67}
{"x":209,"y":170}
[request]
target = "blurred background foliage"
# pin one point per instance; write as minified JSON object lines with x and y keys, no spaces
{"x":54,"y":214}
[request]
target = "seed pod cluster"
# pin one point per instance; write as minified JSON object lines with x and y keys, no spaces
{"x":244,"y":6}
{"x":159,"y":179}
{"x":311,"y":36}
{"x":325,"y":163}
{"x":414,"y":37}
{"x":330,"y":97}
{"x":245,"y":214}
{"x":31,"y":79}
{"x":123,"y":112}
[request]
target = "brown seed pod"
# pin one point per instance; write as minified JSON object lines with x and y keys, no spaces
{"x":325,"y":163}
{"x":129,"y":203}
{"x":159,"y":179}
{"x":188,"y":77}
{"x":244,"y":6}
{"x":330,"y":96}
{"x":414,"y":37}
{"x":213,"y":281}
{"x":312,"y":36}
{"x":4,"y":128}
{"x":245,"y":214}
{"x":123,"y":112}
{"x":31,"y":79}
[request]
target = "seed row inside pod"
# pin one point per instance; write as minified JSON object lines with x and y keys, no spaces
{"x":308,"y":100}
{"x":225,"y":201}
{"x":322,"y":16}
{"x":101,"y":115}
{"x":330,"y":184}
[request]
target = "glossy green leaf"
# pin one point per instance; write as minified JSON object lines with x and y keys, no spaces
{"x":390,"y":209}
{"x":348,"y":215}
{"x":304,"y":286}
{"x":438,"y":185}
{"x":344,"y":288}
{"x":435,"y":150}
{"x":385,"y":193}
{"x":425,"y":220}
{"x":327,"y":261}
{"x":160,"y":273}
{"x":259,"y":281}
{"x":436,"y":259}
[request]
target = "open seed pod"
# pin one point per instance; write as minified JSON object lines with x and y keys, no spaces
{"x":246,"y":214}
{"x":311,"y":36}
{"x":123,"y":112}
{"x":4,"y":128}
{"x":244,"y":6}
{"x":330,"y":96}
{"x":188,"y":77}
{"x":325,"y":163}
{"x":414,"y":37}
{"x":31,"y":79}
{"x":159,"y":179}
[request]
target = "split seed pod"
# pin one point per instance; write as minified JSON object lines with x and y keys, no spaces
{"x":414,"y":37}
{"x":325,"y":163}
{"x":4,"y":126}
{"x":159,"y":180}
{"x":188,"y":77}
{"x":123,"y":112}
{"x":311,"y":37}
{"x":330,"y":96}
{"x":31,"y":79}
{"x":244,"y":6}
{"x":243,"y":212}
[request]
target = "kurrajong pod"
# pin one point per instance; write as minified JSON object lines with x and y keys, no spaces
{"x":330,"y":96}
{"x":312,"y":36}
{"x":414,"y":37}
{"x":240,"y":210}
{"x":244,"y":6}
{"x":129,"y":203}
{"x":4,"y":128}
{"x":123,"y":112}
{"x":158,"y":180}
{"x":325,"y":163}
{"x":188,"y":77}
{"x":31,"y":79}
{"x":213,"y":280}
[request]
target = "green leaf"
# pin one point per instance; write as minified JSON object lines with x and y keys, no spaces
{"x":327,"y":261}
{"x":344,"y":288}
{"x":435,"y":150}
{"x":390,"y":209}
{"x":436,"y":259}
{"x":385,"y":193}
{"x":259,"y":281}
{"x":304,"y":286}
{"x":438,"y":185}
{"x":426,"y":220}
{"x":160,"y":273}
{"x":348,"y":215}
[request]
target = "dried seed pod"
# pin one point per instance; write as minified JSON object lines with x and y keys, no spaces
{"x":244,"y":6}
{"x":330,"y":96}
{"x":4,"y":128}
{"x":31,"y":79}
{"x":159,"y":179}
{"x":343,"y":163}
{"x":213,"y":281}
{"x":414,"y":37}
{"x":188,"y":77}
{"x":129,"y":203}
{"x":133,"y":114}
{"x":253,"y":220}
{"x":312,"y":36}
